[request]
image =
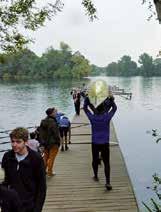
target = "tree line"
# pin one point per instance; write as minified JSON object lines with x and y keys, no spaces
{"x":147,"y":67}
{"x":53,"y":63}
{"x":63,"y":63}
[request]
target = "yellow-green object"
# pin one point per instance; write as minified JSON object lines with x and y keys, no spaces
{"x":98,"y":89}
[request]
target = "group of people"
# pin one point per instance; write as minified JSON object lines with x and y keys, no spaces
{"x":25,"y":169}
{"x":76,"y":99}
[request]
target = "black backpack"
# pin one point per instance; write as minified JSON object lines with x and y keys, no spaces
{"x":42,"y":134}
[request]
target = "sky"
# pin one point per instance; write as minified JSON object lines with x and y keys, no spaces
{"x":121,"y":29}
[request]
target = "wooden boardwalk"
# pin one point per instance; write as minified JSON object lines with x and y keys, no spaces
{"x":72,"y":189}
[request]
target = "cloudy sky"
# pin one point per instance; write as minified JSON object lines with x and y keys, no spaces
{"x":122,"y":29}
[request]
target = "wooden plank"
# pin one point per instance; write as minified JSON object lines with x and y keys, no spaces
{"x":72,"y":189}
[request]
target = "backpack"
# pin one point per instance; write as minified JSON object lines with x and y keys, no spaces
{"x":64,"y":121}
{"x":42,"y":132}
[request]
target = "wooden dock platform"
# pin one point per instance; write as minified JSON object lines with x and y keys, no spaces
{"x":72,"y":189}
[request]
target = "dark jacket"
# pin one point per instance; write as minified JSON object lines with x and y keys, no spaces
{"x":9,"y":200}
{"x":27,"y":177}
{"x":100,"y":123}
{"x":49,"y":132}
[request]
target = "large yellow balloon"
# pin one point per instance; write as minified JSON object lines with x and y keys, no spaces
{"x":98,"y":88}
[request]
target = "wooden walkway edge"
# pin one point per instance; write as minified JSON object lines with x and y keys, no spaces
{"x":72,"y":189}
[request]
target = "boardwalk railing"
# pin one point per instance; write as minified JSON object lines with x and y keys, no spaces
{"x":5,"y":134}
{"x":72,"y":189}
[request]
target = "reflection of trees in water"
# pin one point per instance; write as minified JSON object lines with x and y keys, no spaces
{"x":125,"y":82}
{"x":149,"y":86}
{"x":23,"y":103}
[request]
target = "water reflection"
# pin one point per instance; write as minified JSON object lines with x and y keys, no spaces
{"x":24,"y":103}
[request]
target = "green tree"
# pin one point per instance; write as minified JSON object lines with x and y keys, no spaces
{"x":52,"y":64}
{"x":30,"y":16}
{"x":65,"y":47}
{"x":147,"y":67}
{"x":52,"y":61}
{"x":96,"y":71}
{"x":157,"y":66}
{"x":112,"y":69}
{"x":126,"y":66}
{"x":25,"y":13}
{"x":65,"y":54}
{"x":19,"y":65}
{"x":81,"y":67}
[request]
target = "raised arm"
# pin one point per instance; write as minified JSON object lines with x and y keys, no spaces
{"x":112,"y":111}
{"x":85,"y":108}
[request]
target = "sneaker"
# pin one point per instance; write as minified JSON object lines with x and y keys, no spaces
{"x":51,"y":174}
{"x":62,"y":149}
{"x":108,"y":187}
{"x":69,"y":142}
{"x":96,"y":179}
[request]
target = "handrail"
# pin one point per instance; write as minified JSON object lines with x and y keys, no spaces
{"x":7,"y":131}
{"x":5,"y":142}
{"x":4,"y":137}
{"x":79,"y":124}
{"x":4,"y":150}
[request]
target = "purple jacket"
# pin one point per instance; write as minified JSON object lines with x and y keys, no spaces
{"x":100,"y":124}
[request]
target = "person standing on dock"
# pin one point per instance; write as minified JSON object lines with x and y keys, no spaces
{"x":25,"y":172}
{"x":100,"y":124}
{"x":76,"y":98}
{"x":64,"y":128}
{"x":83,"y":90}
{"x":49,"y":138}
{"x":63,"y":132}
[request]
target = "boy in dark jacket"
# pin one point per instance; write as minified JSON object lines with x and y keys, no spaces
{"x":24,"y":172}
{"x":50,"y":139}
{"x":100,"y":123}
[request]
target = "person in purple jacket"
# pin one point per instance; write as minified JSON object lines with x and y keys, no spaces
{"x":100,"y":125}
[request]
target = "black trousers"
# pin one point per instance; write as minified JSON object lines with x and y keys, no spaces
{"x":105,"y":153}
{"x":63,"y":131}
{"x":77,"y":107}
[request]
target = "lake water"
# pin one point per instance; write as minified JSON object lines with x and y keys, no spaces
{"x":24,"y":103}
